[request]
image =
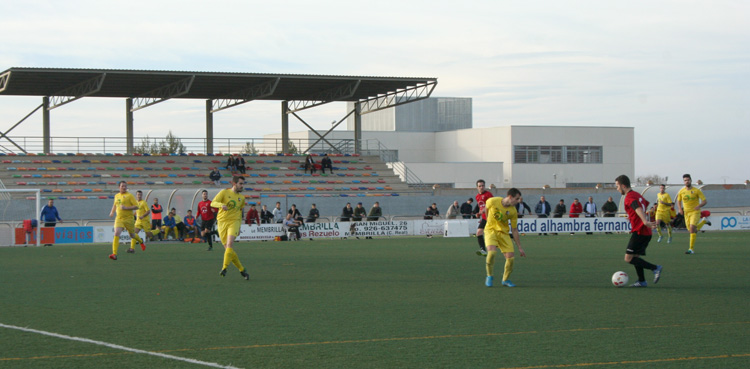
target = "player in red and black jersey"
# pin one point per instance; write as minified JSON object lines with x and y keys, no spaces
{"x":207,"y":215}
{"x":635,"y":206}
{"x":482,"y":198}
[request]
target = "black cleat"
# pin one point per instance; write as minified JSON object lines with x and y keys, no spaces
{"x":244,"y":274}
{"x":223,"y":273}
{"x":210,"y":248}
{"x":708,"y":223}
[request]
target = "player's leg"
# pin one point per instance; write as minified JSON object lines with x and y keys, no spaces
{"x":132,"y":241}
{"x":480,"y":238}
{"x":491,"y":242}
{"x":633,"y":255}
{"x":691,"y":221}
{"x":659,"y":221}
{"x":506,"y":247}
{"x":116,"y":240}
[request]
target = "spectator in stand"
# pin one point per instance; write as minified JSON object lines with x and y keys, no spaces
{"x":239,"y":162}
{"x":310,"y":164}
{"x":278,"y":214}
{"x":190,"y":227}
{"x":215,"y":176}
{"x":466,"y":209}
{"x":542,"y":209}
{"x":252,"y":216}
{"x":347,"y":213}
{"x":313,"y":215}
{"x":326,"y":162}
{"x":231,"y":165}
{"x":376,"y":212}
{"x":156,"y":216}
{"x":49,"y":214}
{"x":453,"y":211}
{"x":428,"y":214}
{"x":266,"y":216}
{"x":207,"y":214}
{"x":589,"y":210}
{"x":522,"y":208}
{"x":359,"y":213}
{"x":576,"y":208}
{"x":296,"y":215}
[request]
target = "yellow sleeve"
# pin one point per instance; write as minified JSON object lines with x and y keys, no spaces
{"x":219,"y":200}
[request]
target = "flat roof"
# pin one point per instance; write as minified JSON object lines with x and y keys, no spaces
{"x":205,"y":85}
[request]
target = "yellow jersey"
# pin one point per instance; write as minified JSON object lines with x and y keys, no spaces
{"x":126,"y":199}
{"x":143,"y":208}
{"x":690,"y":198}
{"x":234,"y":203}
{"x":662,"y":208}
{"x":498,"y":215}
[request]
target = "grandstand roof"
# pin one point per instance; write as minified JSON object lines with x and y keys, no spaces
{"x":203,"y":85}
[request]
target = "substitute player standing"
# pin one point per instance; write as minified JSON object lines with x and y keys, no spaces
{"x":499,"y":212}
{"x":664,"y":213}
{"x":230,"y":202}
{"x":207,"y":214}
{"x":482,"y":198}
{"x":689,"y":201}
{"x":124,"y":205}
{"x":635,"y":206}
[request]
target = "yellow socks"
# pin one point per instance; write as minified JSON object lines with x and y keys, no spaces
{"x":231,"y":257}
{"x":701,"y":224}
{"x":692,"y":240}
{"x":132,"y":243}
{"x":490,"y":262}
{"x":508,"y":268}
{"x":115,"y":244}
{"x":669,"y":231}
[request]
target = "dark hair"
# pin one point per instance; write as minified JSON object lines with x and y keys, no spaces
{"x":686,"y":176}
{"x":623,"y":180}
{"x":470,"y":199}
{"x":513,"y":192}
{"x":205,"y":191}
{"x":139,"y":191}
{"x":236,"y":179}
{"x":481,"y":180}
{"x":121,"y":182}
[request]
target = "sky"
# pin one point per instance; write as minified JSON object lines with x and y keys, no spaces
{"x":676,"y":70}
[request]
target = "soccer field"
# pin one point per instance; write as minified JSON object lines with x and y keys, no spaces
{"x":382,"y":303}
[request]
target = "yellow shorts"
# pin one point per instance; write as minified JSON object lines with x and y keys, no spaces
{"x":143,"y":224}
{"x":501,"y":240}
{"x":128,"y":224}
{"x":663,"y":216}
{"x":692,"y":218}
{"x":228,"y":229}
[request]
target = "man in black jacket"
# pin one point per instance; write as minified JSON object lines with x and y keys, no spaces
{"x":466,"y":208}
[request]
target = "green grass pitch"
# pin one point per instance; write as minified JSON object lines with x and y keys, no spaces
{"x":384,"y":303}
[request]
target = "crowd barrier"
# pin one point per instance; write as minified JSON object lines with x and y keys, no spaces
{"x":101,"y":233}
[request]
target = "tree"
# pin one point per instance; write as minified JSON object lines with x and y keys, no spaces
{"x":249,"y":148}
{"x":650,"y":180}
{"x":171,"y":144}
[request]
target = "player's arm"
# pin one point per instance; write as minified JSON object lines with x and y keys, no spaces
{"x":112,"y":212}
{"x":678,"y":202}
{"x":219,"y":201}
{"x":641,"y":214}
{"x":703,"y":201}
{"x":516,"y":236}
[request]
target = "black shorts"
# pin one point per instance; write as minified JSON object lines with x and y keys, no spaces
{"x":482,"y":223}
{"x":637,"y":244}
{"x":155,"y":223}
{"x":208,"y":224}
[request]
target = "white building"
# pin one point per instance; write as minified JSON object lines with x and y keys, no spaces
{"x":451,"y":152}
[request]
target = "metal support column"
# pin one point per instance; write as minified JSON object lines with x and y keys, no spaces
{"x":45,"y":125}
{"x":209,"y":127}
{"x":357,"y":128}
{"x":285,"y":127}
{"x":129,"y":125}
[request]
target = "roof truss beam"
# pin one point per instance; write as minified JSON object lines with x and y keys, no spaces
{"x":399,"y":97}
{"x":75,"y":92}
{"x":4,"y":80}
{"x":251,"y":93}
{"x":338,"y":93}
{"x":164,"y":93}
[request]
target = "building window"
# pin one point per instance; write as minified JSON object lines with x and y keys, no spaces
{"x":558,"y":154}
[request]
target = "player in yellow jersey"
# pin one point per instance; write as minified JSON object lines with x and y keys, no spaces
{"x":664,"y":212}
{"x":501,"y":211}
{"x":230,"y":202}
{"x":124,"y":205}
{"x":689,"y":201}
{"x":142,"y":221}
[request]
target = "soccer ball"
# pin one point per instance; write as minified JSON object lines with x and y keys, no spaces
{"x":620,"y":279}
